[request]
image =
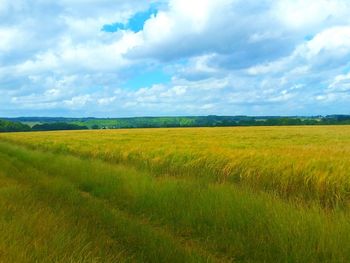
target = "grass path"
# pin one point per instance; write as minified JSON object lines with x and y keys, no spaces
{"x":60,"y":208}
{"x":115,"y":235}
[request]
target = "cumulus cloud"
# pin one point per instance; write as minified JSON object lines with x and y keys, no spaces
{"x":246,"y":30}
{"x":222,"y":57}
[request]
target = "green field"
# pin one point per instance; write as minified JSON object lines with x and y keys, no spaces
{"x":258,"y":194}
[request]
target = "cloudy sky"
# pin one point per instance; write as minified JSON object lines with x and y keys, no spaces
{"x":118,"y":58}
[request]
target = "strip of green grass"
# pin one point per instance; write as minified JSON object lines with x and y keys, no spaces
{"x":164,"y":219}
{"x":34,"y":231}
{"x":109,"y":228}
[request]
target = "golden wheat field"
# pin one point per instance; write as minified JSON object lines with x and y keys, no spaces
{"x":253,"y":194}
{"x":307,"y":162}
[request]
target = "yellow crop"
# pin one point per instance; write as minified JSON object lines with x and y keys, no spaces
{"x":308,"y":162}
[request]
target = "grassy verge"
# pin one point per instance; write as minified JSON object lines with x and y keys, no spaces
{"x":34,"y":230}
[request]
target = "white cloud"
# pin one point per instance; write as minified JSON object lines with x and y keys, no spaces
{"x":78,"y":101}
{"x":197,"y":27}
{"x":335,"y":39}
{"x":224,"y":57}
{"x":10,"y":37}
{"x":340,"y":85}
{"x":301,"y":14}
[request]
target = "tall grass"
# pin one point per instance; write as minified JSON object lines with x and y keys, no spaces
{"x":308,"y":163}
{"x":84,"y":229}
{"x":34,"y":230}
{"x":139,"y":217}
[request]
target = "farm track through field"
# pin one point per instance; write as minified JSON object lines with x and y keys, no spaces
{"x":129,"y":215}
{"x":160,"y":243}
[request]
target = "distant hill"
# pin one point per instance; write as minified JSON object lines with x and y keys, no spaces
{"x":9,"y":126}
{"x":17,"y":126}
{"x":185,"y":121}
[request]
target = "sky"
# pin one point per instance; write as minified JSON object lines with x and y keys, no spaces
{"x":123,"y":58}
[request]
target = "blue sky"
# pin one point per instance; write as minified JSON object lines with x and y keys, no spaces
{"x":134,"y":23}
{"x":115,"y":58}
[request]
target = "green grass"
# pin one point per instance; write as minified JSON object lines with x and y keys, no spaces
{"x":60,"y":208}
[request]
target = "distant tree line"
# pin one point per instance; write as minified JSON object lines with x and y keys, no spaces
{"x":9,"y":126}
{"x":56,"y":126}
{"x":211,"y":121}
{"x":52,"y":124}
